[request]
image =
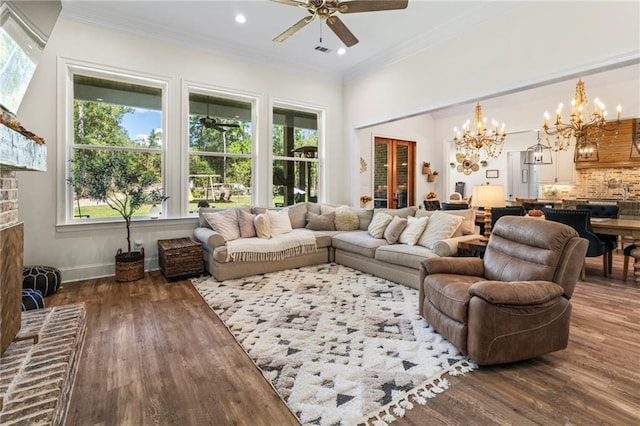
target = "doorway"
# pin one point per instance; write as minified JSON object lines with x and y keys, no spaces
{"x":393,"y":173}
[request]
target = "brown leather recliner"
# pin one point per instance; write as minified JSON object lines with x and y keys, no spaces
{"x":514,"y":303}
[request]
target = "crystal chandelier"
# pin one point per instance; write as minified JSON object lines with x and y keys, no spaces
{"x":585,"y":127}
{"x":472,"y":139}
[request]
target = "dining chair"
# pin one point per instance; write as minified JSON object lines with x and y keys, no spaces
{"x":627,"y":254}
{"x":455,"y":206}
{"x":580,"y":220}
{"x":607,"y":211}
{"x":498,"y":212}
{"x":534,"y":206}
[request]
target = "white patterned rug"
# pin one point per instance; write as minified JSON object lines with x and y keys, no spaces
{"x":339,"y":346}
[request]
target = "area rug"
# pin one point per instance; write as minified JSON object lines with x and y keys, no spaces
{"x":339,"y":346}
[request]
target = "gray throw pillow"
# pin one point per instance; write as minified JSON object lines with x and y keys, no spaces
{"x":321,"y":222}
{"x":394,"y":229}
{"x":245,"y":222}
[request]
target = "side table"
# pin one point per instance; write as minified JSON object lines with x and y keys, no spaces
{"x":180,"y":258}
{"x":472,"y":248}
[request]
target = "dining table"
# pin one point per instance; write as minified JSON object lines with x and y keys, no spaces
{"x":625,"y":228}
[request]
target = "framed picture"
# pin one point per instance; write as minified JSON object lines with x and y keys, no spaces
{"x":525,"y":176}
{"x":492,"y":174}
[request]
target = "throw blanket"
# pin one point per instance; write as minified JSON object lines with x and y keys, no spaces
{"x":299,"y":241}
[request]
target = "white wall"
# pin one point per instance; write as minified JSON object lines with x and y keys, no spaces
{"x":535,"y":51}
{"x":88,"y":251}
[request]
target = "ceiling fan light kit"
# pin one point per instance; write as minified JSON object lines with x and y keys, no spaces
{"x":325,"y":10}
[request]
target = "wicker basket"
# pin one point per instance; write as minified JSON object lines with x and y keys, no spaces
{"x":129,"y":266}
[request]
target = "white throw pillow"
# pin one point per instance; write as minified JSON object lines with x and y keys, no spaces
{"x":439,"y":227}
{"x":225,"y":223}
{"x":413,"y":231}
{"x":280,"y":222}
{"x":468,"y":224}
{"x":378,"y":224}
{"x":263,"y":226}
{"x":346,"y":219}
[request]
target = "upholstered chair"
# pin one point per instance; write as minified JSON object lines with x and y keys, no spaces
{"x":455,"y":206}
{"x":498,"y":212}
{"x":607,"y":211}
{"x":513,"y":304}
{"x":431,"y":205}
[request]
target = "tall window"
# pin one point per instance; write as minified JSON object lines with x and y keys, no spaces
{"x":295,"y":156}
{"x":117,"y":125}
{"x":220,"y":146}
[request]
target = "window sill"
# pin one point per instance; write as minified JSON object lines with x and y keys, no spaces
{"x":119,"y":224}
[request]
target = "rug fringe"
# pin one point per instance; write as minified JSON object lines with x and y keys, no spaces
{"x":429,"y":389}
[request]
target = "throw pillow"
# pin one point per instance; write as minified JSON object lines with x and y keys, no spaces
{"x":468,"y":224}
{"x":379,"y":224}
{"x":346,"y":219}
{"x":321,"y":222}
{"x":413,"y":231}
{"x":394,"y":229}
{"x":280,"y":222}
{"x":439,"y":227}
{"x":298,"y":215}
{"x":225,"y":223}
{"x":324,"y":209}
{"x":263,"y":226}
{"x":245,"y":222}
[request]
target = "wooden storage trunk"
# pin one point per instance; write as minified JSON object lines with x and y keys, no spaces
{"x":180,"y":258}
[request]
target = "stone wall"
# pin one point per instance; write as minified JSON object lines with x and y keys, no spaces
{"x":608,"y":183}
{"x":8,"y":198}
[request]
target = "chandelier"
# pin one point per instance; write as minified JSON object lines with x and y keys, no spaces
{"x":585,"y":127}
{"x":473,"y":139}
{"x":538,"y":154}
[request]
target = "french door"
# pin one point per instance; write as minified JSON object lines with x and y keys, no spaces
{"x":393,"y":173}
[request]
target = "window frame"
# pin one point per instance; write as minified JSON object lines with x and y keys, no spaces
{"x":190,"y":87}
{"x":319,"y":161}
{"x":67,"y":69}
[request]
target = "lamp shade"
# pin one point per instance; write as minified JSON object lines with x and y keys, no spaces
{"x":488,"y":196}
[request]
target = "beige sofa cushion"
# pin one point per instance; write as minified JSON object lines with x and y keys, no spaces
{"x":359,"y":242}
{"x":413,"y":231}
{"x":245,"y":223}
{"x":346,"y":219}
{"x":468,"y":225}
{"x":440,"y":227}
{"x":298,"y":215}
{"x":321,"y":222}
{"x":263,"y":226}
{"x":404,"y":212}
{"x":225,"y":223}
{"x":279,"y":221}
{"x":379,"y":224}
{"x":404,"y":255}
{"x":394,"y":229}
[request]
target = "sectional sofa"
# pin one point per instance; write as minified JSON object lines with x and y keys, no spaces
{"x":387,"y":243}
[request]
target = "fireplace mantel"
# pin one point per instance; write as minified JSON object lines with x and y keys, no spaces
{"x":18,"y":152}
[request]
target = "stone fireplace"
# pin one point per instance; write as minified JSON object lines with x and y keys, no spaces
{"x":17,"y":153}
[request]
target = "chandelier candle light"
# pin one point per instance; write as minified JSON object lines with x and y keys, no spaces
{"x":587,"y":128}
{"x":472,"y":140}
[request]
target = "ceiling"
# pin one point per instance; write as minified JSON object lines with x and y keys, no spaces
{"x":384,"y":36}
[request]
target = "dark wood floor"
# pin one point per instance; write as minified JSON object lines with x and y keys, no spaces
{"x":155,"y":354}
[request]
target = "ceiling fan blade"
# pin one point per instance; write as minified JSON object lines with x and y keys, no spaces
{"x":357,"y":6}
{"x":293,"y":29}
{"x":291,"y":2}
{"x":341,"y":31}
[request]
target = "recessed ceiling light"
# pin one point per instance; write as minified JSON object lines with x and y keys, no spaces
{"x":342,"y":51}
{"x":240,"y":19}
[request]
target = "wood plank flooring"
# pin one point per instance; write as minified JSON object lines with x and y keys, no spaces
{"x":155,"y":354}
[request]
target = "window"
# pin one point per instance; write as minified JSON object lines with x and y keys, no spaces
{"x":295,"y":156}
{"x":220,"y":147}
{"x":117,"y":126}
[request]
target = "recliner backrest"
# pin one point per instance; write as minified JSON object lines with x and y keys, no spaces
{"x":527,"y":249}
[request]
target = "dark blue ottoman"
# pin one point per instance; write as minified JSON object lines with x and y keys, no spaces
{"x":32,"y":299}
{"x":47,"y":279}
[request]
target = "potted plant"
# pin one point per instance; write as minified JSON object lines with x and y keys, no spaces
{"x":432,"y":177}
{"x":426,"y":168}
{"x":123,"y":187}
{"x":156,"y":196}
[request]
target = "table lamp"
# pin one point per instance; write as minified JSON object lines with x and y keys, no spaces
{"x":488,"y":196}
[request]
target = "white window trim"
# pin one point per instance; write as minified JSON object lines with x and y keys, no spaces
{"x":66,"y":69}
{"x":189,"y":87}
{"x":321,"y":111}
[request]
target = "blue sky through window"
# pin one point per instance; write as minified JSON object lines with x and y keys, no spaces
{"x":141,"y":122}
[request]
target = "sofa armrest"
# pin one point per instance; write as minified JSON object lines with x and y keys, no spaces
{"x":449,"y":247}
{"x":208,"y":237}
{"x":472,"y":266}
{"x":516,"y":293}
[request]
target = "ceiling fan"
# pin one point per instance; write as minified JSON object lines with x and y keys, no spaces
{"x":325,"y":10}
{"x":211,"y":123}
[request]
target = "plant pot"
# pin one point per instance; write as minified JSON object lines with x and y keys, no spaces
{"x":426,"y":170}
{"x":431,"y":178}
{"x":129,"y":266}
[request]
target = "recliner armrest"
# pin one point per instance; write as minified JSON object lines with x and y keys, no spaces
{"x":518,"y":293}
{"x":472,"y":266}
{"x":208,"y":237}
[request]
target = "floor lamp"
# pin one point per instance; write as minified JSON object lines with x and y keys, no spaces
{"x":488,"y":196}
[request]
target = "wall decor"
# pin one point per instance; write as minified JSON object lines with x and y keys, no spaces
{"x":363,"y":165}
{"x":492,"y":174}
